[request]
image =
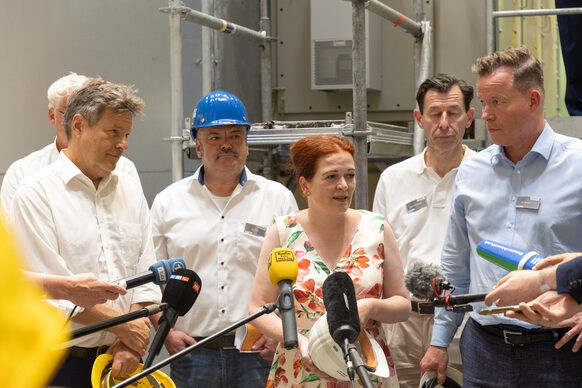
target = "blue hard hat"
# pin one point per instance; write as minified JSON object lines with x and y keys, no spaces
{"x":218,"y":108}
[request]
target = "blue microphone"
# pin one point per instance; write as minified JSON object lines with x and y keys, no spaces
{"x":159,"y":273}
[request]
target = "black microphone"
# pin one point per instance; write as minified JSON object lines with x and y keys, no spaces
{"x":159,"y":273}
{"x":343,"y":321}
{"x":339,"y":299}
{"x":180,"y":294}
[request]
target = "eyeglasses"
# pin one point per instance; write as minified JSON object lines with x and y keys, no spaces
{"x":61,"y":112}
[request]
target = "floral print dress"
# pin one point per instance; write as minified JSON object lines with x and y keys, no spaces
{"x":363,"y":261}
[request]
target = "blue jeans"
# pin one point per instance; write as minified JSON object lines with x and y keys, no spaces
{"x":489,"y":362}
{"x":226,"y":368}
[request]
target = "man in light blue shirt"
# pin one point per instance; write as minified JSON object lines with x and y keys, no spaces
{"x":523,"y":191}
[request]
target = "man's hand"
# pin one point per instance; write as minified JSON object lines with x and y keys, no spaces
{"x":520,"y":286}
{"x":125,"y":360}
{"x":177,"y":341}
{"x":134,"y":334}
{"x":266,"y":347}
{"x":551,"y":309}
{"x":84,"y":290}
{"x":436,"y":359}
{"x":556,"y":259}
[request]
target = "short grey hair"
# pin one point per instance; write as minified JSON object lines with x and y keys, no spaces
{"x":97,"y":94}
{"x":63,"y":87}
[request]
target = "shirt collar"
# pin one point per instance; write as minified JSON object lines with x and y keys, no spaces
{"x":243,"y":177}
{"x":421,"y":163}
{"x":542,"y":146}
{"x":69,"y":171}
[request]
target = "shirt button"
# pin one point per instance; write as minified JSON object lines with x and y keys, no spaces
{"x":222,"y":263}
{"x":221,"y":240}
{"x":222,"y":217}
{"x":222,"y":287}
{"x":513,"y":198}
{"x":222,"y":311}
{"x":518,"y":171}
{"x":510,"y":225}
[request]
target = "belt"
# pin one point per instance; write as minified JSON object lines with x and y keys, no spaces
{"x":512,"y":335}
{"x":223,"y":342}
{"x":426,"y":308}
{"x":88,"y":353}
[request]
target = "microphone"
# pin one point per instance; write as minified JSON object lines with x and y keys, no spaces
{"x":339,"y":299}
{"x":180,"y":294}
{"x":283,"y":273}
{"x":427,"y":282}
{"x":507,"y":257}
{"x":158,"y":273}
{"x":343,"y":320}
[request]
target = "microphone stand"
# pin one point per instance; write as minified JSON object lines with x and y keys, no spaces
{"x":354,"y":361}
{"x":144,"y":312}
{"x":266,"y":309}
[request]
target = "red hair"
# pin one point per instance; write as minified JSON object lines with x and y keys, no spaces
{"x":308,"y":150}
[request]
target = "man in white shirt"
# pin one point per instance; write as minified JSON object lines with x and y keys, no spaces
{"x":216,"y":221}
{"x":57,"y":94}
{"x":79,"y":215}
{"x":415,"y":198}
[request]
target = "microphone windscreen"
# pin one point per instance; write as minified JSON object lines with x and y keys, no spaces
{"x":419,"y":278}
{"x":282,"y":266}
{"x":182,"y":290}
{"x":339,"y":299}
{"x":164,"y":268}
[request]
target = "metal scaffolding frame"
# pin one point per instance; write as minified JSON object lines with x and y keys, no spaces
{"x":492,"y":16}
{"x":356,"y":127}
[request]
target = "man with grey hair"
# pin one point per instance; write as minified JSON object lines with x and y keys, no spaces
{"x":58,"y":94}
{"x":522,"y":191}
{"x":79,"y":215}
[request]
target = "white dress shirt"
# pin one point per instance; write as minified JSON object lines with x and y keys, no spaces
{"x":416,"y":202}
{"x":66,"y":227}
{"x":35,"y":162}
{"x":221,"y":245}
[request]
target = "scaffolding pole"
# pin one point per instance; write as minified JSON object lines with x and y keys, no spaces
{"x":492,"y":16}
{"x":395,"y":17}
{"x":360,"y":120}
{"x":176,"y":96}
{"x":177,"y":11}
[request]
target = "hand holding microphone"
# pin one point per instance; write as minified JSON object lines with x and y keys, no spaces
{"x":283,"y":271}
{"x":159,"y":273}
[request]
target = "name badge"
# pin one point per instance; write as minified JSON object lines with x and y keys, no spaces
{"x":416,"y":205}
{"x":530,"y":203}
{"x":255,"y":230}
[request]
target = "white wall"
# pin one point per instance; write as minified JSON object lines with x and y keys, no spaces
{"x":122,"y":41}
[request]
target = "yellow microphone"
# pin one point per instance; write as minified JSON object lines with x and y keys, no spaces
{"x":283,"y":271}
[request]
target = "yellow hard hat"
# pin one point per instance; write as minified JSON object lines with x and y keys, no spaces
{"x":101,"y":376}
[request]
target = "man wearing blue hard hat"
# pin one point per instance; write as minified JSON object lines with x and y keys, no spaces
{"x":216,"y":220}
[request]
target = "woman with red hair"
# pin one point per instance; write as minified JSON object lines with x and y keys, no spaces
{"x":328,"y":237}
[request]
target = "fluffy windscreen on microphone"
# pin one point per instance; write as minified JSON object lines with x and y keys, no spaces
{"x":339,"y":299}
{"x":182,"y":290}
{"x":419,"y":279}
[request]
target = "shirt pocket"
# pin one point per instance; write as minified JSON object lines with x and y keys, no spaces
{"x":130,"y":240}
{"x":249,"y":239}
